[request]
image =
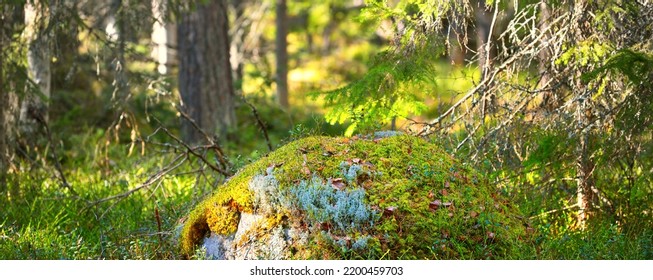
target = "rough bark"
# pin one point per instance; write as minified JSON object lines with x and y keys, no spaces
{"x":282,"y":53}
{"x":205,"y":81}
{"x":6,"y":96}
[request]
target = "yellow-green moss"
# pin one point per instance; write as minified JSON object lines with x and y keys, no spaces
{"x":404,"y":174}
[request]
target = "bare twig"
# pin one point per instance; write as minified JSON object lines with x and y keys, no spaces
{"x":212,"y":143}
{"x":193,"y":151}
{"x":178,"y":161}
{"x":259,"y":122}
{"x":38,"y":116}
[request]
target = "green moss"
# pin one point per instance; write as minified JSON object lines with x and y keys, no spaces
{"x":426,"y":204}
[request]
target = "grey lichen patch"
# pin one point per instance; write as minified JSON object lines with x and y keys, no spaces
{"x":386,"y":133}
{"x":351,"y":171}
{"x":218,"y":247}
{"x":268,"y":198}
{"x":344,"y":210}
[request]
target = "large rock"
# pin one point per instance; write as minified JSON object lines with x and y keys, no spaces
{"x":398,"y":197}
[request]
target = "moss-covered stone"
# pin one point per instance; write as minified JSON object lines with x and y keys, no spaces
{"x":399,"y":197}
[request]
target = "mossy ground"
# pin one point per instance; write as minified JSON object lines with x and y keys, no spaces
{"x":426,"y":204}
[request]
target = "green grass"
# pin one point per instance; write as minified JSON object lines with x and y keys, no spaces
{"x":41,"y":220}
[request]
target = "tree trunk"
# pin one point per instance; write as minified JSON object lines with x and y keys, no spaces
{"x":282,"y":53}
{"x":584,"y":165}
{"x":163,"y":37}
{"x":8,"y":100}
{"x":550,"y":100}
{"x":483,"y":24}
{"x":237,"y":48}
{"x":205,"y":82}
{"x":484,"y":20}
{"x":34,"y":107}
{"x":585,"y":195}
{"x":117,"y":32}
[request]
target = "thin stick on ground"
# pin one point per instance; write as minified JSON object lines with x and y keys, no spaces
{"x":178,"y":161}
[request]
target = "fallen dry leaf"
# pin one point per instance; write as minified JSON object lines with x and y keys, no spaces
{"x":473,"y":214}
{"x":431,"y":194}
{"x":444,"y":192}
{"x":389,"y":211}
{"x":338,"y":184}
{"x":434,"y":205}
{"x":490,"y":235}
{"x":356,"y":160}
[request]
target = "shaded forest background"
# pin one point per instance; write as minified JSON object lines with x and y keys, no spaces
{"x":117,"y":116}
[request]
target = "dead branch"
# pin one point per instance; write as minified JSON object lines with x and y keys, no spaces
{"x":38,"y":116}
{"x":212,"y":143}
{"x":259,"y":122}
{"x":178,"y":161}
{"x":193,"y":151}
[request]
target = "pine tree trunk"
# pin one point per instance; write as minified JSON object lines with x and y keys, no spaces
{"x":585,"y":197}
{"x":4,"y":102}
{"x":282,"y":53}
{"x":205,"y":81}
{"x":8,"y":99}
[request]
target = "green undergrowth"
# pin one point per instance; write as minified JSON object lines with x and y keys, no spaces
{"x":426,"y":204}
{"x":42,"y":220}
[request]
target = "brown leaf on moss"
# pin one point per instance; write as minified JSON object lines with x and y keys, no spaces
{"x":446,"y":184}
{"x":434,"y":205}
{"x":444,"y":192}
{"x":530,"y":230}
{"x":389,"y":211}
{"x":473,"y":214}
{"x":338,"y":184}
{"x":431,"y":194}
{"x":490,"y":235}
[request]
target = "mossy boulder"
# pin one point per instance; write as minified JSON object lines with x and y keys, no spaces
{"x":397,"y":197}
